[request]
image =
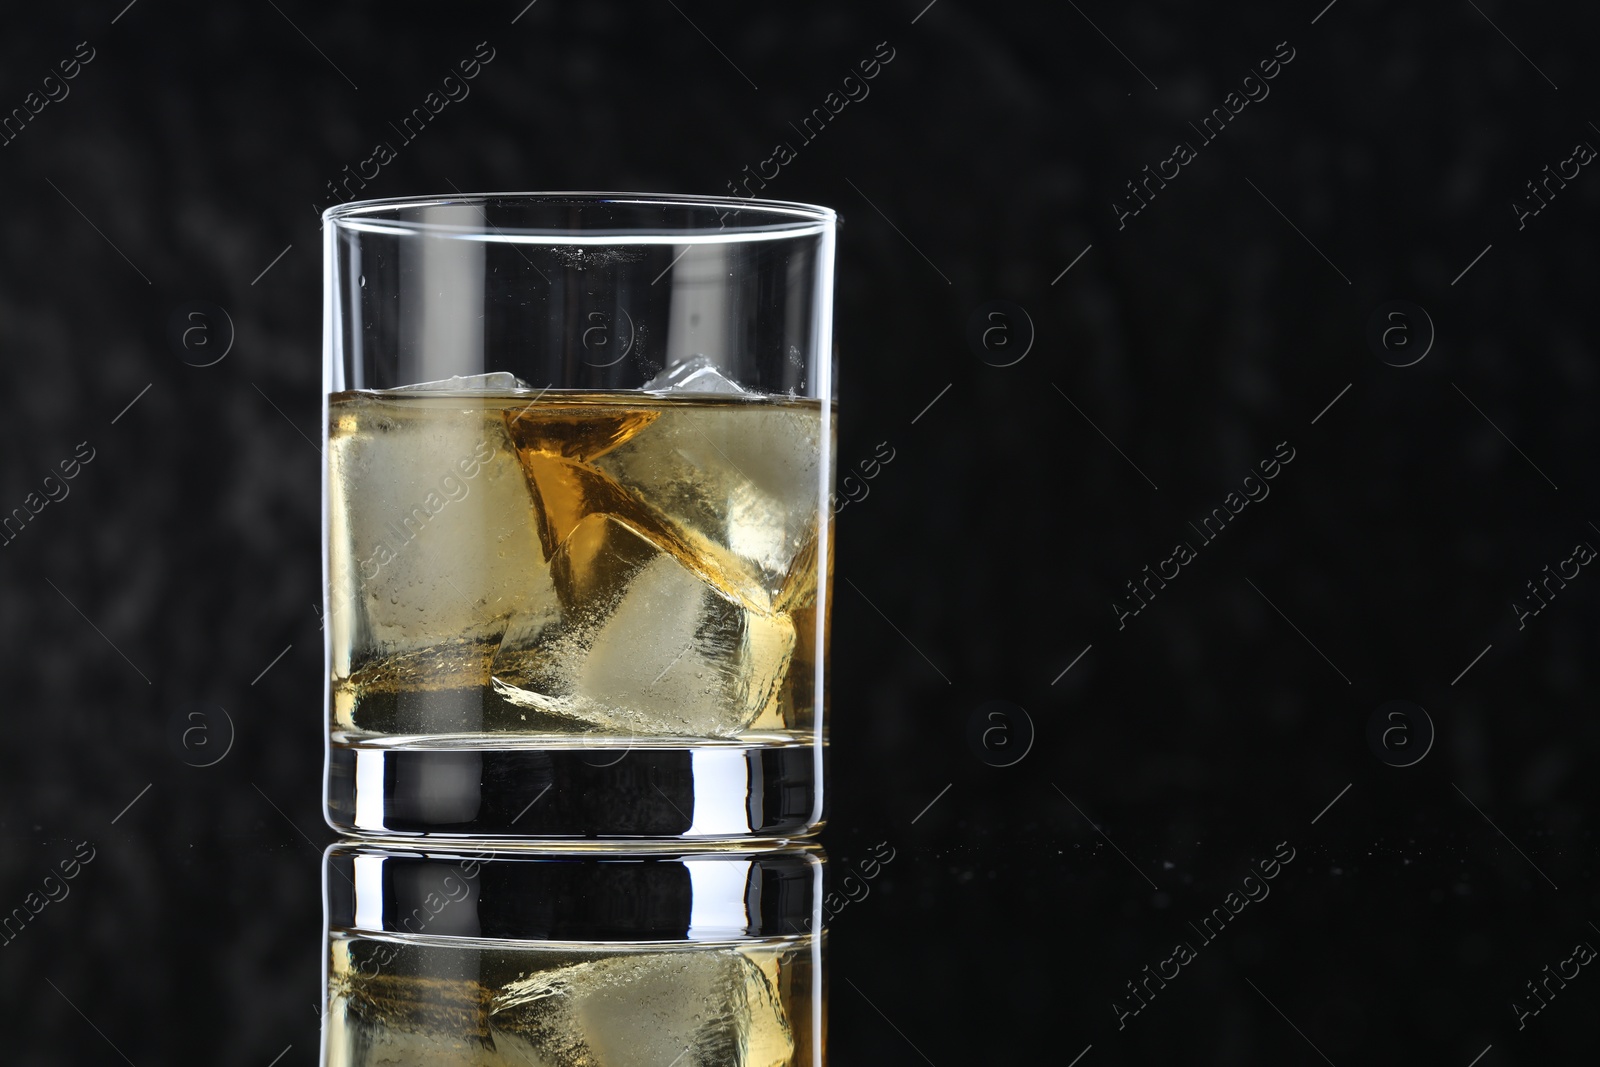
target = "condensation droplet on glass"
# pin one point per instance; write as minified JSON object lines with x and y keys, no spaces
{"x":363,"y":281}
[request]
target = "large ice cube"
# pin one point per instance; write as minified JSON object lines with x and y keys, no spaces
{"x":740,"y":481}
{"x":697,"y":374}
{"x":736,"y":482}
{"x":431,"y":545}
{"x":566,"y":491}
{"x":700,"y":1008}
{"x":645,"y":644}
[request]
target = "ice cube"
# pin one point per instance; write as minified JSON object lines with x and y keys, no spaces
{"x":697,"y":374}
{"x":566,"y":491}
{"x":740,"y":482}
{"x":498,"y":381}
{"x":690,"y":1008}
{"x":645,"y":644}
{"x":431,"y":544}
{"x":576,"y":431}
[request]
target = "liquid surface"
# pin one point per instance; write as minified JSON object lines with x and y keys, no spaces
{"x":454,"y":1002}
{"x":610,"y":567}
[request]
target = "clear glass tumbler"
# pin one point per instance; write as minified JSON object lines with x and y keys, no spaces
{"x":460,"y":955}
{"x":579,"y":457}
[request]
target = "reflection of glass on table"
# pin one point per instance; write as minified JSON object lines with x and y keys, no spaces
{"x":574,"y":959}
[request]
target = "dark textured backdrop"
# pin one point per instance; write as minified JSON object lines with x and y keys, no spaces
{"x":191,"y":154}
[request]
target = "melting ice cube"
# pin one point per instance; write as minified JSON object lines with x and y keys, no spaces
{"x":498,"y":381}
{"x":740,"y":479}
{"x":432,"y":547}
{"x":697,"y":374}
{"x":645,"y":644}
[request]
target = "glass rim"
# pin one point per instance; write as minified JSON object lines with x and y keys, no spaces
{"x":775,"y":219}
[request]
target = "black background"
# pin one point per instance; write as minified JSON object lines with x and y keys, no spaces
{"x":1177,"y":352}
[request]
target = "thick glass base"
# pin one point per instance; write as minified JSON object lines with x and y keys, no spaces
{"x":708,"y":792}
